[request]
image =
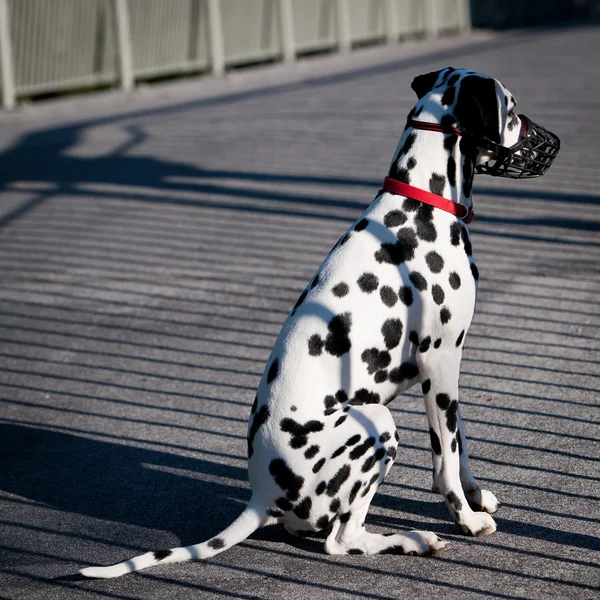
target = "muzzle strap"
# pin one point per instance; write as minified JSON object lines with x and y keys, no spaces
{"x":403,"y":189}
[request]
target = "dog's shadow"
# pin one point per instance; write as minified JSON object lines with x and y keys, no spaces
{"x":119,"y":483}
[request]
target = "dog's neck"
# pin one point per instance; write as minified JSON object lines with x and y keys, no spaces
{"x":437,"y":162}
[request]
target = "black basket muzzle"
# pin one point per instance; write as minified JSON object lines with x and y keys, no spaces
{"x":530,"y":157}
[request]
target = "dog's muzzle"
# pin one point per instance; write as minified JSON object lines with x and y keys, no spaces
{"x":530,"y":157}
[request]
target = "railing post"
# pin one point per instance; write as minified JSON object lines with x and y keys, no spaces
{"x":343,"y":23}
{"x":431,"y":26}
{"x":463,"y":8}
{"x":215,"y":34}
{"x":8,"y":80}
{"x":124,"y":42}
{"x":391,"y":21}
{"x":286,"y":23}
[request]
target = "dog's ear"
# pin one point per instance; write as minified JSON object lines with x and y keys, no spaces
{"x":424,"y":83}
{"x":476,"y":107}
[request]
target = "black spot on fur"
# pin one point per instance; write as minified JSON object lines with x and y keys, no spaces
{"x":437,"y":183}
{"x":394,"y":218}
{"x":466,"y":241}
{"x":436,"y":446}
{"x":315,"y":282}
{"x":368,"y":282}
{"x":392,"y":332}
{"x":355,"y":551}
{"x":302,"y":510}
{"x":340,"y":290}
{"x":424,"y":346}
{"x":459,"y":440}
{"x":345,"y":517}
{"x":450,"y":140}
{"x":315,"y":345}
{"x":340,"y":420}
{"x":406,"y":296}
{"x":454,"y":500}
{"x":445,"y":315}
{"x":448,"y":96}
{"x":438,"y":294}
{"x":260,"y":418}
{"x":311,"y":452}
{"x":284,"y":504}
{"x":286,"y":479}
{"x":443,"y":401}
{"x":361,"y":449}
{"x":162,"y":554}
{"x":336,"y":482}
{"x":375,"y":359}
{"x":322,"y":522}
{"x":388,"y":295}
{"x":406,"y":370}
{"x":334,"y":505}
{"x":475,"y":271}
{"x":355,"y":489}
{"x":353,"y":440}
{"x":273,"y":371}
{"x":434,"y":261}
{"x":368,"y":464}
{"x":424,"y":222}
{"x":384,"y":437}
{"x":298,"y":431}
{"x":411,"y":163}
{"x":364,"y":396}
{"x":337,"y":341}
{"x":426,"y":386}
{"x":400,"y":173}
{"x":452,"y":416}
{"x":413,"y":336}
{"x":418,"y":280}
{"x":437,"y":343}
{"x":459,"y":339}
{"x":217,"y":543}
{"x":453,"y":445}
{"x":380,"y":376}
{"x":274,"y":513}
{"x":318,"y":465}
{"x":451,"y":171}
{"x":321,"y":488}
{"x":254,"y":405}
{"x":411,"y":205}
{"x":406,"y":146}
{"x":361,"y":225}
{"x":455,"y":233}
{"x":454,"y":279}
{"x":401,"y":251}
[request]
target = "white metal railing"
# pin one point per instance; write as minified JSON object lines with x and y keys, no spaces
{"x":51,"y":45}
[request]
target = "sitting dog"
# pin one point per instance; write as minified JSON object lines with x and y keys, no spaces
{"x":389,"y":307}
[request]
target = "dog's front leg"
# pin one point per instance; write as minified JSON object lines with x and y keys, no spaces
{"x":439,"y":376}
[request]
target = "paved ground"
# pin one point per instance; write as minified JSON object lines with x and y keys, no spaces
{"x":150,"y":250}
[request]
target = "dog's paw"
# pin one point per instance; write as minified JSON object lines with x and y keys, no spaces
{"x":478,"y":524}
{"x":482,"y":500}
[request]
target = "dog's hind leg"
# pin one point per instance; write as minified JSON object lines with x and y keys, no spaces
{"x":478,"y":499}
{"x":348,"y":534}
{"x":451,"y":472}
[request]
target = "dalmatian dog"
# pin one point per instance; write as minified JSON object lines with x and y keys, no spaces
{"x":389,"y":308}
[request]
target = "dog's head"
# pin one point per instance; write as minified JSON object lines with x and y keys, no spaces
{"x":483,"y":109}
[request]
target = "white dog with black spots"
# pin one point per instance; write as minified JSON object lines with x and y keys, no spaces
{"x":389,"y":307}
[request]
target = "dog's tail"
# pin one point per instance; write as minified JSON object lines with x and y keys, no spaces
{"x":247,"y":523}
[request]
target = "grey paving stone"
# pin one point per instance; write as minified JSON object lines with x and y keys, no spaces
{"x":150,"y":249}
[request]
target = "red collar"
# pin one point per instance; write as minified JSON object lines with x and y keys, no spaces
{"x":403,"y":189}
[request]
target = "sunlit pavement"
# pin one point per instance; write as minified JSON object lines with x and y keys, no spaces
{"x":150,"y":249}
